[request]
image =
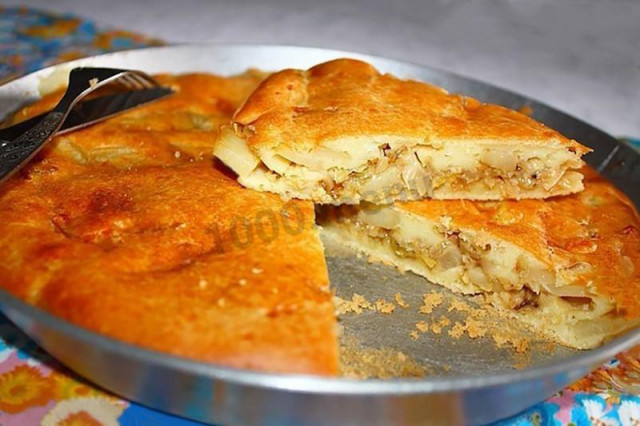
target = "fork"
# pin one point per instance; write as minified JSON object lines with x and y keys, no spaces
{"x":15,"y":152}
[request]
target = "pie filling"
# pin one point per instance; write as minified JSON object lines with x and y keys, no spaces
{"x":500,"y":273}
{"x":382,"y":170}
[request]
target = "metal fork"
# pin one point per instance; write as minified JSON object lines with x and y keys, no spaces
{"x":16,"y":152}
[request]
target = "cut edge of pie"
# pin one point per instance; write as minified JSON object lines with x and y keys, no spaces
{"x":341,"y":133}
{"x":557,"y":295}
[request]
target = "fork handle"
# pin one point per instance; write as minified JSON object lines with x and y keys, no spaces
{"x":17,"y":152}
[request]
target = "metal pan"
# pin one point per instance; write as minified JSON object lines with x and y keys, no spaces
{"x":480,"y":384}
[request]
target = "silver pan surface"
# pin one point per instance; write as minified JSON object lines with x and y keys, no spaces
{"x":468,"y":381}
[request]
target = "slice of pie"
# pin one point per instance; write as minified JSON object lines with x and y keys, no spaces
{"x":341,"y":133}
{"x":569,"y":267}
{"x":120,"y":228}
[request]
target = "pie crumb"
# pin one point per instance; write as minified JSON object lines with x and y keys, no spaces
{"x":519,"y":344}
{"x":358,"y":361}
{"x":459,"y":305}
{"x":357,"y":304}
{"x":475,"y":328}
{"x":400,"y":301}
{"x":384,"y":307}
{"x":431,"y":301}
{"x":437,"y":326}
{"x":457,"y":330}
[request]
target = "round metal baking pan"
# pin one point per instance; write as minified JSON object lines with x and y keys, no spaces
{"x":481,"y":387}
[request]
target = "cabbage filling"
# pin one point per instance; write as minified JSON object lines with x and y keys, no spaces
{"x":384,"y":171}
{"x":472,"y":263}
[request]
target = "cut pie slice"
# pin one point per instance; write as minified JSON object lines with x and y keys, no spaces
{"x":568,"y":267}
{"x":341,"y":133}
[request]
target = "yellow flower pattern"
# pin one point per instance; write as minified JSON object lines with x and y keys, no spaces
{"x":88,"y":411}
{"x":22,"y":387}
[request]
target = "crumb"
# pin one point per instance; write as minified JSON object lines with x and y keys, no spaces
{"x":430,"y":301}
{"x":242,"y":282}
{"x":400,"y":301}
{"x":203,"y":283}
{"x":384,"y":307}
{"x":437,"y":326}
{"x":475,"y":328}
{"x":519,"y":344}
{"x":422,"y":326}
{"x":414,"y":334}
{"x":256,"y":271}
{"x":457,"y":330}
{"x":360,"y":303}
{"x":357,"y":304}
{"x":357,"y":361}
{"x":459,"y":305}
{"x":222,"y":302}
{"x":177,"y":154}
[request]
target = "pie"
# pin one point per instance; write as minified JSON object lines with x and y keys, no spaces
{"x":128,"y":227}
{"x":180,"y":128}
{"x":121,"y":228}
{"x":569,"y":267}
{"x":341,"y":133}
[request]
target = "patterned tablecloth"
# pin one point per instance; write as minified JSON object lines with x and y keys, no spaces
{"x":36,"y":389}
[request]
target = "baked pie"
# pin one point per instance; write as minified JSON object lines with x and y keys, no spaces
{"x":569,"y":267}
{"x":341,"y":133}
{"x":129,"y":229}
{"x":177,"y":128}
{"x":123,"y":229}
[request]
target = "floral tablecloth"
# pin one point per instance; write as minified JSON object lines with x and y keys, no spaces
{"x":36,"y":389}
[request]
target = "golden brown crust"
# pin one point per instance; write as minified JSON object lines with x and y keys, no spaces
{"x":340,"y":131}
{"x":599,"y":227}
{"x":178,"y":128}
{"x":156,"y":252}
{"x":345,"y":98}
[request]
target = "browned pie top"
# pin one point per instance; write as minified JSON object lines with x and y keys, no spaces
{"x":172,"y":130}
{"x":346,"y":98}
{"x":165,"y":250}
{"x":596,"y":231}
